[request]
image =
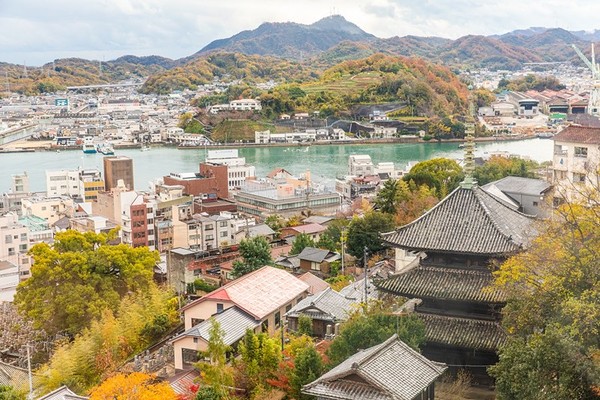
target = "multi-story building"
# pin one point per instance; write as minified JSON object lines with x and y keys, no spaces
{"x":14,"y":243}
{"x":211,"y":181}
{"x":82,"y":184}
{"x":118,"y":168}
{"x":360,"y":165}
{"x":49,"y":208}
{"x":237,"y":169}
{"x":576,"y":161}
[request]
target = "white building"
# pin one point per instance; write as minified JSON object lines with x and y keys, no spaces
{"x":237,"y":169}
{"x":360,"y":165}
{"x":383,"y":132}
{"x":14,"y":242}
{"x":576,"y":161}
{"x":245,"y":105}
{"x":76,"y":183}
{"x":49,"y":208}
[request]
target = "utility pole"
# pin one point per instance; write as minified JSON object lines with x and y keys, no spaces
{"x":366,"y":268}
{"x":342,"y":239}
{"x":30,"y":395}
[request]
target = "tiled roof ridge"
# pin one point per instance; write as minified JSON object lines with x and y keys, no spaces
{"x":438,"y":205}
{"x":438,"y":268}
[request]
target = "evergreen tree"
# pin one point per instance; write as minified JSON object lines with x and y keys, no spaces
{"x":308,"y":366}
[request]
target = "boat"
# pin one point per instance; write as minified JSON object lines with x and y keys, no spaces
{"x":145,"y":148}
{"x":545,"y":135}
{"x":89,"y":148}
{"x":105,"y":149}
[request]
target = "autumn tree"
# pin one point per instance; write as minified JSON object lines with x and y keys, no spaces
{"x":99,"y":350}
{"x":405,"y":200}
{"x":364,"y":232}
{"x":80,"y":275}
{"x":442,"y":174}
{"x":255,"y":252}
{"x":498,"y":167}
{"x":135,"y":386}
{"x":553,"y":309}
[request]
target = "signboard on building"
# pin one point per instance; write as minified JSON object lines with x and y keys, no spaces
{"x":61,"y":102}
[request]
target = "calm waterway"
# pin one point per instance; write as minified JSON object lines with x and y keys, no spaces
{"x":324,"y":162}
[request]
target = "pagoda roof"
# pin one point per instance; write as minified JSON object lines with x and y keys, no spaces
{"x":463,"y":332}
{"x":467,"y":221}
{"x":445,"y":283}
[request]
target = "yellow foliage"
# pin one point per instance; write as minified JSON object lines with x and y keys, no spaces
{"x":135,"y":386}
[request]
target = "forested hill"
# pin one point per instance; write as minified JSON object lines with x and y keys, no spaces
{"x":57,"y":75}
{"x":291,"y":40}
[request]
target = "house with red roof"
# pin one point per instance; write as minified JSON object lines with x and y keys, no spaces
{"x":255,"y":301}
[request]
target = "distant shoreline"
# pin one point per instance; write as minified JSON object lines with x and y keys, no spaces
{"x":27,"y":146}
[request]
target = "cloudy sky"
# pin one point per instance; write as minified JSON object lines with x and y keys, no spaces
{"x":39,"y":31}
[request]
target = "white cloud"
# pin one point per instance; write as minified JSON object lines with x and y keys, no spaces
{"x":38,"y":31}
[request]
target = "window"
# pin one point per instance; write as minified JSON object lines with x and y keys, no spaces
{"x":578,"y":178}
{"x":8,"y":239}
{"x":277,"y":319}
{"x":223,"y":234}
{"x":11,"y":251}
{"x":288,"y":308}
{"x":23,"y":248}
{"x":195,"y":340}
{"x":209,"y":237}
{"x":223,"y":224}
{"x":23,"y":237}
{"x":581,"y":151}
{"x":219,"y":308}
{"x":196,"y":321}
{"x":535,"y":203}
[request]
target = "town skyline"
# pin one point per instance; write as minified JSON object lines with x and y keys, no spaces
{"x":38,"y":32}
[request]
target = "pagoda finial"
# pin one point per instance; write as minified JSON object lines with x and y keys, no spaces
{"x":469,"y":164}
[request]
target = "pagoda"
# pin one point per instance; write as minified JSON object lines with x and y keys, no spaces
{"x":458,"y":243}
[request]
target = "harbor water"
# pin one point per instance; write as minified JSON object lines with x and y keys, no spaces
{"x":325,"y":162}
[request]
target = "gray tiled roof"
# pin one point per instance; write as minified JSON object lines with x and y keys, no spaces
{"x":13,"y":376}
{"x":233,"y":321}
{"x":356,"y":290}
{"x":468,"y":221}
{"x":391,"y":368}
{"x":62,"y":393}
{"x":463,"y":332}
{"x":327,"y":305}
{"x":443,"y":283}
{"x":313,"y":254}
{"x":517,"y":184}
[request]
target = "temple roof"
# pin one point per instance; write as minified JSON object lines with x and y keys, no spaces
{"x":443,"y":283}
{"x":388,"y":371}
{"x":463,"y":332}
{"x":467,"y":221}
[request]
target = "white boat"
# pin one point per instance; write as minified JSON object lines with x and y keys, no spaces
{"x":105,"y":149}
{"x":145,"y":148}
{"x":89,"y":148}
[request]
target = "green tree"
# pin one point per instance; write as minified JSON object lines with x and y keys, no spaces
{"x":9,"y":393}
{"x":207,"y":393}
{"x":440,"y":173}
{"x":305,"y":325}
{"x":79,"y":276}
{"x":260,"y":356}
{"x":553,"y":308}
{"x":255,"y":252}
{"x":364,"y":232}
{"x":301,"y":241}
{"x":216,"y":372}
{"x":362,"y":330}
{"x":275,"y":222}
{"x":386,"y":198}
{"x":308,"y":366}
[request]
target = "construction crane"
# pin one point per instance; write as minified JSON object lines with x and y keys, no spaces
{"x":594,"y":102}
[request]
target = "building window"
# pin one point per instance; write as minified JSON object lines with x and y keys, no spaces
{"x":196,"y":321}
{"x":277,"y":319}
{"x":219,"y":308}
{"x":535,"y":203}
{"x":11,"y":251}
{"x":223,"y":234}
{"x":195,"y":340}
{"x":288,"y":308}
{"x":581,"y":151}
{"x":578,"y":178}
{"x":223,"y":224}
{"x":8,"y":239}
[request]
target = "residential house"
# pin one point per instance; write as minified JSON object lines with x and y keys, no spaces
{"x":325,"y":309}
{"x":265,"y":295}
{"x":62,"y":393}
{"x":529,"y":195}
{"x":317,"y":260}
{"x":389,"y":371}
{"x":311,"y":230}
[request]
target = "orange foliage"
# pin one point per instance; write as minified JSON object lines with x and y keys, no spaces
{"x":135,"y":386}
